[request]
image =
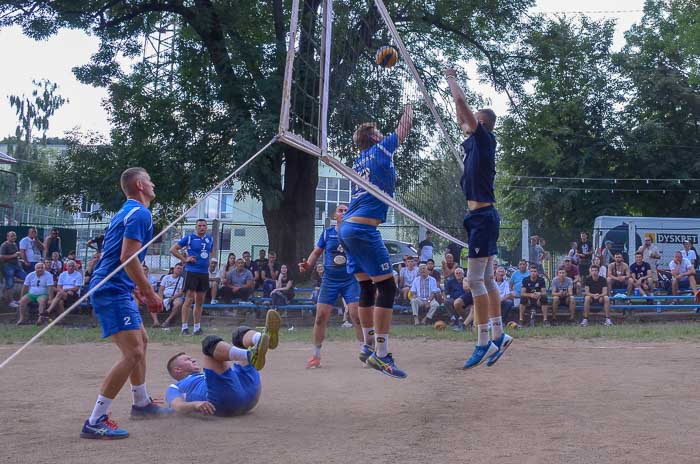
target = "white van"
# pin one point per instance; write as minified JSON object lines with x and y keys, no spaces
{"x":668,"y":234}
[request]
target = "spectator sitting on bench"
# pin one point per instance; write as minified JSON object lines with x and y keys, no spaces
{"x":640,"y":276}
{"x":35,"y":290}
{"x":68,"y":288}
{"x":596,"y":293}
{"x":462,"y":304}
{"x":172,"y":294}
{"x":432,"y":272}
{"x":453,"y":290}
{"x":215,"y":279}
{"x":448,"y":266}
{"x":269,"y":274}
{"x":618,"y":275}
{"x":683,"y":274}
{"x":424,"y":292}
{"x":284,"y":289}
{"x":506,"y":293}
{"x":533,"y":294}
{"x":316,"y":279}
{"x":406,"y":277}
{"x":239,"y":283}
{"x":572,"y":272}
{"x":563,"y":294}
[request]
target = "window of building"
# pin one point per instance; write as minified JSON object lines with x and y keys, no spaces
{"x":329,"y":192}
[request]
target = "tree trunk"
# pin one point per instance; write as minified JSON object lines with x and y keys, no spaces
{"x":290,"y":222}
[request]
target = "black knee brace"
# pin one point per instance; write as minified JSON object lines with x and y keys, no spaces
{"x":386,"y":293}
{"x":209,"y":344}
{"x":238,"y":334}
{"x":367,"y":292}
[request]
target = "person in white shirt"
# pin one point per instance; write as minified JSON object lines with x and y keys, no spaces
{"x":68,"y":288}
{"x":35,"y":290}
{"x":507,"y":296}
{"x":424,"y":290}
{"x":172,"y":294}
{"x":31,"y":249}
{"x":406,"y":276}
{"x":686,"y":252}
{"x":215,"y":278}
{"x":683,"y":274}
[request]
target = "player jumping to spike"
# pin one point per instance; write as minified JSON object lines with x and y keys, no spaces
{"x":482,"y":224}
{"x":336,"y":282}
{"x":116,"y":310}
{"x":367,"y":255}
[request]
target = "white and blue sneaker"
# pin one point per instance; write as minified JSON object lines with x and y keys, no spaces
{"x":480,"y":354}
{"x":104,"y":429}
{"x":503,"y":342}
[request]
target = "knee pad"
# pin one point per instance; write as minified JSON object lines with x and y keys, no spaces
{"x":209,"y":344}
{"x":476,"y":282}
{"x":367,"y":293}
{"x":238,"y":334}
{"x":386,"y":293}
{"x":490,"y":285}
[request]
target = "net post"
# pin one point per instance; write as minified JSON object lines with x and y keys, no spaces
{"x":325,"y":74}
{"x":384,"y":13}
{"x":288,"y":70}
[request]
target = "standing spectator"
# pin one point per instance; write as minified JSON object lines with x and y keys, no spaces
{"x":563,"y":294}
{"x":172,"y":293}
{"x":448,"y":266}
{"x":640,"y":276}
{"x":215,"y":279}
{"x":35,"y":290}
{"x":453,"y":290}
{"x":56,"y":265}
{"x":52,"y":244}
{"x":432,"y":272}
{"x":536,"y":254}
{"x":533,"y":294}
{"x":68,"y":289}
{"x":425,"y":248}
{"x":96,"y":242}
{"x":683,"y":274}
{"x":507,"y":298}
{"x":516,"y":280}
{"x":270,"y":274}
{"x":572,"y":272}
{"x":454,"y":249}
{"x":406,"y":277}
{"x":686,"y":252}
{"x":424,"y":290}
{"x":194,"y":251}
{"x":651,"y":255}
{"x":284,"y":289}
{"x":239,"y":283}
{"x":606,"y":254}
{"x":12,"y":268}
{"x":584,"y":253}
{"x":596,"y":292}
{"x":573,"y":253}
{"x":31,"y":249}
{"x":618,"y":275}
{"x":692,"y":247}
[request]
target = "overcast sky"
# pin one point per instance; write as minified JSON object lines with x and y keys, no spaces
{"x":24,"y":59}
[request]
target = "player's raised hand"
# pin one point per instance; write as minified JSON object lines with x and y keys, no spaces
{"x":304,"y":267}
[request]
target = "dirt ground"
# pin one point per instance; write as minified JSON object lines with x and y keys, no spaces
{"x":546,"y":401}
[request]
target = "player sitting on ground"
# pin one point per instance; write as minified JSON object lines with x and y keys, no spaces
{"x":482,"y":224}
{"x":367,"y":255}
{"x":223,"y":388}
{"x":335,"y":282}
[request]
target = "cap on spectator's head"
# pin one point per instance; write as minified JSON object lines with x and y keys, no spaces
{"x":608,"y":241}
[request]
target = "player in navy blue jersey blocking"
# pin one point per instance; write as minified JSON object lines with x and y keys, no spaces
{"x":482,"y":224}
{"x":367,"y":255}
{"x":196,"y":259}
{"x":116,"y":310}
{"x":336,"y":282}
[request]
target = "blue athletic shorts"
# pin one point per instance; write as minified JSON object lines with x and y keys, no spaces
{"x":348,"y":288}
{"x":116,"y":312}
{"x":235,"y":392}
{"x":482,"y":226}
{"x":365,"y":249}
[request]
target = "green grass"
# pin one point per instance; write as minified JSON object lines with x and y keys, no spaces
{"x":686,"y":331}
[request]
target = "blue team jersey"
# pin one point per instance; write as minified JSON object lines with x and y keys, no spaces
{"x":375,"y":165}
{"x":132,"y":221}
{"x":200,"y":248}
{"x":334,"y":258}
{"x":479,"y":166}
{"x":191,"y":388}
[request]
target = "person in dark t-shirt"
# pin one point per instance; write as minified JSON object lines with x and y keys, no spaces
{"x":597,"y":293}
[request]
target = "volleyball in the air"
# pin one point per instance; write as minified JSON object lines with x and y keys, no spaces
{"x":386,"y":57}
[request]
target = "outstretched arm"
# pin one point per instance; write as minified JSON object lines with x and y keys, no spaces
{"x":465,"y":116}
{"x":405,"y":123}
{"x":311,"y":260}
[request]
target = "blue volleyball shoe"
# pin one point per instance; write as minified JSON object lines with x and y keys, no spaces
{"x":150,"y":411}
{"x":480,"y":354}
{"x":503,"y":342}
{"x":365,"y":353}
{"x":104,"y":429}
{"x":386,"y":366}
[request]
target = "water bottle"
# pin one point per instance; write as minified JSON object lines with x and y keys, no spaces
{"x":532,"y":318}
{"x":658,"y":307}
{"x":636,"y":292}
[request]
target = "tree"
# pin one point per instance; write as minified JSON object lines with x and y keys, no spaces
{"x":226,"y":96}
